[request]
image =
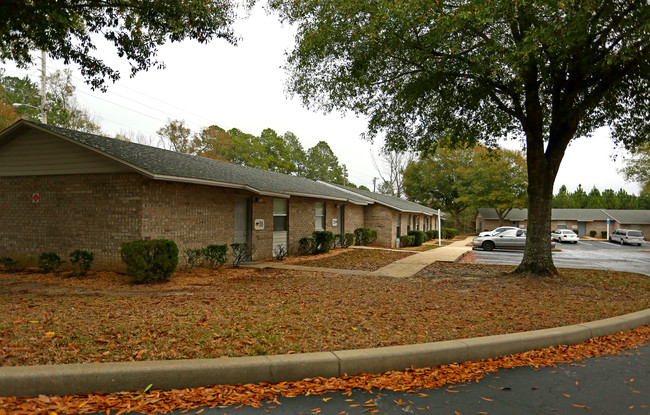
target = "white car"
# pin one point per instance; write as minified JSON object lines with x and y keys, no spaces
{"x":627,"y":236}
{"x":564,"y":235}
{"x":497,"y":230}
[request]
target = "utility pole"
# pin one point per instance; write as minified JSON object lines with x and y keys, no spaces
{"x":374,"y":185}
{"x":43,"y":88}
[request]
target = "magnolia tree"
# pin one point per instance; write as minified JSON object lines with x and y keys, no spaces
{"x":466,"y":71}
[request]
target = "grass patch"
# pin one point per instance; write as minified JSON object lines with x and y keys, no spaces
{"x":239,"y":312}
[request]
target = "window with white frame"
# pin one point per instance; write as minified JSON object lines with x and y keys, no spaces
{"x":280,"y":222}
{"x":319,"y":222}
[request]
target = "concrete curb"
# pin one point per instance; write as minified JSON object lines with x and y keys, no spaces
{"x":177,"y":374}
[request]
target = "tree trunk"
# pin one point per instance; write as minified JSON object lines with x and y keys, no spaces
{"x":538,"y":260}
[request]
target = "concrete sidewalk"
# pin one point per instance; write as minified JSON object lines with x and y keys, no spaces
{"x":403,"y":268}
{"x":411,"y":265}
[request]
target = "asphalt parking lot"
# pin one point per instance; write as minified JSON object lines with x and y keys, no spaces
{"x":589,"y":254}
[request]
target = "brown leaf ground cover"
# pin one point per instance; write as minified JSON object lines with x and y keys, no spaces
{"x":358,"y":259}
{"x":48,"y":319}
{"x":413,"y":380}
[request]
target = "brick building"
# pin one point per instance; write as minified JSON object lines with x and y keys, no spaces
{"x":582,"y":221}
{"x":62,"y":190}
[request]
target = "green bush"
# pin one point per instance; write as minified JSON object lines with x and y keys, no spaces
{"x":593,"y":234}
{"x":348,"y":239}
{"x":49,"y":262}
{"x":449,"y":233}
{"x":215,"y":255}
{"x":306,"y":246}
{"x":8,"y":263}
{"x":432,"y":235}
{"x":194,"y":258}
{"x":241,"y":252}
{"x":81,"y":261}
{"x":603,"y":234}
{"x":149,"y":260}
{"x":406,"y":240}
{"x":418,"y":237}
{"x":364,"y":236}
{"x":324,"y":241}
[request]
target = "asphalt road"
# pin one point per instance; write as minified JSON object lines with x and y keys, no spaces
{"x":590,"y":254}
{"x":604,"y":385}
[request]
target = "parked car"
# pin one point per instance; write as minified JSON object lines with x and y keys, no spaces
{"x":508,"y":239}
{"x":564,"y":235}
{"x":496,"y":231}
{"x":627,"y":236}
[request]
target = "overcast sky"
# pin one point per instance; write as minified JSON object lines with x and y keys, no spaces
{"x":244,"y":87}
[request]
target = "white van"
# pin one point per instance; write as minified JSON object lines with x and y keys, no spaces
{"x":627,"y":236}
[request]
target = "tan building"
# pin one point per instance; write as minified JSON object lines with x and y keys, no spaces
{"x":582,"y":221}
{"x":62,"y":190}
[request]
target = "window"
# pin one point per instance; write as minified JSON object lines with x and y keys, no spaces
{"x":280,"y":223}
{"x":319,"y":223}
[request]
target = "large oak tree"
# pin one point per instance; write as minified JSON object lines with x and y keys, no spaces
{"x":544,"y":71}
{"x":70,"y":30}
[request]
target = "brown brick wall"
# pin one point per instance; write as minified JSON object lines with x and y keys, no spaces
{"x":302,"y":212}
{"x":94,"y":212}
{"x":354,"y":217}
{"x":262,"y":207}
{"x":191,"y":215}
{"x":382,"y":219}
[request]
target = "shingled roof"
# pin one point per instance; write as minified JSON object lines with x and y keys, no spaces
{"x":627,"y":217}
{"x":162,"y":164}
{"x":396,"y":203}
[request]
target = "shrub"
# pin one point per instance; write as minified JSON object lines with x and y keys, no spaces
{"x":405,"y":240}
{"x":432,"y":235}
{"x":593,"y":234}
{"x":449,"y":233}
{"x":418,"y":237}
{"x":306,"y":246}
{"x":373,"y":236}
{"x":338,"y":240}
{"x":8,"y":263}
{"x":194,"y":258}
{"x":280,"y":252}
{"x":603,"y":234}
{"x":348,"y":239}
{"x":364,"y":236}
{"x":49,"y":262}
{"x":241,"y":252}
{"x":324,"y":240}
{"x":215,"y":255}
{"x":81,"y":261}
{"x":149,"y":260}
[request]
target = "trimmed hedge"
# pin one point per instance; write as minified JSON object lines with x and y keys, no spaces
{"x":418,"y":237}
{"x":603,"y":234}
{"x":306,"y":246}
{"x":364,"y":236}
{"x":593,"y":234}
{"x":449,"y":233}
{"x":406,"y":240}
{"x":149,"y":261}
{"x":323,"y":241}
{"x":433,"y":234}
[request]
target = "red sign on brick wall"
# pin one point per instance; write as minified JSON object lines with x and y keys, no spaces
{"x":35,"y":198}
